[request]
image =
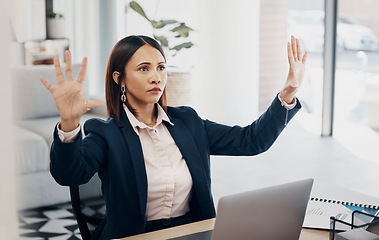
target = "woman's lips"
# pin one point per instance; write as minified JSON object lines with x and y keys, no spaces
{"x":155,"y":90}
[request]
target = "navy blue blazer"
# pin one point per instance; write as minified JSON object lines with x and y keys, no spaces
{"x":113,"y":150}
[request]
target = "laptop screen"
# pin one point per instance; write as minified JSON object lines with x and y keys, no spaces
{"x":271,"y":213}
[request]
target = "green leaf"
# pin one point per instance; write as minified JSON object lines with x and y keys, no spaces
{"x":162,"y":39}
{"x":153,"y":23}
{"x":163,"y":23}
{"x":183,"y":30}
{"x":51,"y":14}
{"x":181,"y":46}
{"x":136,"y":7}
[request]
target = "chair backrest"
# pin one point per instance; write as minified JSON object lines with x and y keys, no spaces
{"x":82,"y":219}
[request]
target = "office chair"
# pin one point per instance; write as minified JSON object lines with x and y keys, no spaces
{"x":82,"y":219}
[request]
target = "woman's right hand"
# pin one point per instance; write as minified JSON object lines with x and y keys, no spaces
{"x":68,"y":95}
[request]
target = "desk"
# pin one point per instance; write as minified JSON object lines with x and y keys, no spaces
{"x":306,"y":234}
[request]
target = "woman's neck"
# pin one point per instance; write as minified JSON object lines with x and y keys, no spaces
{"x":147,"y":114}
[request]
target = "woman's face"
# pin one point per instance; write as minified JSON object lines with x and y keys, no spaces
{"x":145,"y":76}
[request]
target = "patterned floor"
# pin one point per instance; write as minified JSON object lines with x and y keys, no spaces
{"x":55,"y":222}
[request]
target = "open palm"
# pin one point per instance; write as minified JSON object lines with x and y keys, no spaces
{"x":68,"y":95}
{"x":296,"y":68}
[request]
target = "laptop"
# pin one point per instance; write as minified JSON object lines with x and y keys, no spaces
{"x":271,"y":213}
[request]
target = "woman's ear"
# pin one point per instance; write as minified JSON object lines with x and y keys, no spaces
{"x":115,"y":76}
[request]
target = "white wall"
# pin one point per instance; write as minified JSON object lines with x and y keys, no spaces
{"x":227,"y":86}
{"x":28,"y":19}
{"x":93,"y":27}
{"x":112,"y":29}
{"x":8,"y":220}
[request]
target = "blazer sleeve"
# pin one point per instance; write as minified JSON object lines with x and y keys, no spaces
{"x":252,"y":139}
{"x":74,"y":163}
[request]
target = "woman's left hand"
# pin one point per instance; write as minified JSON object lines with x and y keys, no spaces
{"x":296,"y":70}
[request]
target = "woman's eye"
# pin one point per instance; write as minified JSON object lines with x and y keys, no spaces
{"x":143,"y":69}
{"x":161,"y":68}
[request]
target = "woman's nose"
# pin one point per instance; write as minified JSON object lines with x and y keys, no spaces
{"x":156,"y":77}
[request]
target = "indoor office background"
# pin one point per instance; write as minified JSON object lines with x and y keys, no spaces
{"x":239,"y":64}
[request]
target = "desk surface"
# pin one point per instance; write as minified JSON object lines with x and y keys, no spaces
{"x":306,"y":234}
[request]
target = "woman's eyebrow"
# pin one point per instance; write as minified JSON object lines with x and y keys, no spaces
{"x":148,"y":63}
{"x":144,"y":63}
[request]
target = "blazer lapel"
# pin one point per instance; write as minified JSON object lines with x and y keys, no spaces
{"x":134,"y":145}
{"x":187,"y":146}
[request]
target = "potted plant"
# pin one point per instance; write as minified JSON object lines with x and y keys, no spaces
{"x":173,"y":37}
{"x":55,"y":25}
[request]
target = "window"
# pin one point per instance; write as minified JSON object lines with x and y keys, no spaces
{"x":356,"y":110}
{"x":356,"y":88}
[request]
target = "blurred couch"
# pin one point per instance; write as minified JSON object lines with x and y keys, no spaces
{"x":35,"y":117}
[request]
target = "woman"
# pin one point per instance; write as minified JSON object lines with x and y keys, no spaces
{"x":153,"y":160}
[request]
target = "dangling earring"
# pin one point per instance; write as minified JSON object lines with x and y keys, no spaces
{"x":123,"y":96}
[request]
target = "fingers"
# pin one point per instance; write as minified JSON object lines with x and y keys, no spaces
{"x":290,"y":53}
{"x":67,"y":55}
{"x":304,"y":60}
{"x":47,"y":84}
{"x":298,"y":49}
{"x":294,"y":48}
{"x":294,"y":51}
{"x":82,"y":71}
{"x":58,"y":71}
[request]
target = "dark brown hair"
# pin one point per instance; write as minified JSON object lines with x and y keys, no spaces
{"x":120,"y":55}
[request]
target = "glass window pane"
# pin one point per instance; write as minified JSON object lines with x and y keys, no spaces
{"x":303,"y":19}
{"x":357,"y":77}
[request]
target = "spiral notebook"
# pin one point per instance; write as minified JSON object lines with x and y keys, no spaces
{"x":327,"y":201}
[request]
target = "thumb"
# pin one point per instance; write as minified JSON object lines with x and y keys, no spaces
{"x":94,"y":104}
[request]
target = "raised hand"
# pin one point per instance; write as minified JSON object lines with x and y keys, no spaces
{"x":296,"y":70}
{"x":68,"y":95}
